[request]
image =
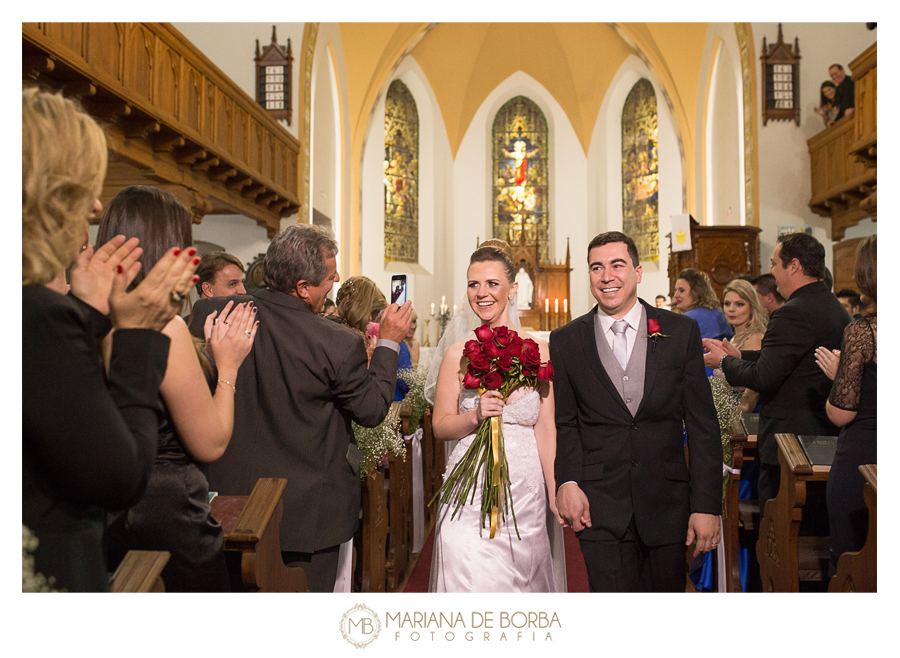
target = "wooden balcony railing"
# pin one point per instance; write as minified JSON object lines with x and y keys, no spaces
{"x":172,"y":118}
{"x":843,"y":158}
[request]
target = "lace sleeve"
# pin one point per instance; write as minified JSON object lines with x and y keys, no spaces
{"x":857,"y":349}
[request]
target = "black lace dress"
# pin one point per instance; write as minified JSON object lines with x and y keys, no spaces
{"x":854,"y":389}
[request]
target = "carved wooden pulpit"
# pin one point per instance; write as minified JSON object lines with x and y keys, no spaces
{"x":723,"y":252}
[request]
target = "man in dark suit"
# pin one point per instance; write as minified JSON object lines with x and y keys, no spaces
{"x":792,"y":388}
{"x":302,"y":384}
{"x":629,"y":380}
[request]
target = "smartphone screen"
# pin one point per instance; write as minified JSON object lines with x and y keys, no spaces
{"x":398,"y":289}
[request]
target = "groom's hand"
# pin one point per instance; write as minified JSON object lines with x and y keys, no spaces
{"x":705,"y":529}
{"x":573,"y":507}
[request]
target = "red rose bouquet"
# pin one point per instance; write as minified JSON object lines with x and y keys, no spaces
{"x":499,"y":360}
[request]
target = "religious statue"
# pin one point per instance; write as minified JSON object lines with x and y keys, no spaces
{"x":526,"y":289}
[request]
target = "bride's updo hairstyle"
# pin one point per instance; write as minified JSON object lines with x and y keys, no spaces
{"x":495,"y":251}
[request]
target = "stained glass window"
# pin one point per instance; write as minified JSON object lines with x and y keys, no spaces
{"x":640,"y":170}
{"x":520,"y":174}
{"x":401,"y":175}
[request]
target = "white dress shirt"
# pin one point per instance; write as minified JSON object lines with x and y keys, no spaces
{"x":633,"y":318}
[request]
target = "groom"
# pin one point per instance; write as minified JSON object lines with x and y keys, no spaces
{"x":629,"y":382}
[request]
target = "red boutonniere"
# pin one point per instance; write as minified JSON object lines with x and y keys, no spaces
{"x":654,"y":332}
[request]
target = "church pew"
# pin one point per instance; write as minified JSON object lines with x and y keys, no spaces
{"x":858,"y":571}
{"x":140,"y":571}
{"x":439,"y":457}
{"x":786,"y":558}
{"x":374,"y":534}
{"x":399,"y":530}
{"x":428,"y":472}
{"x":252,"y":527}
{"x":736,"y":511}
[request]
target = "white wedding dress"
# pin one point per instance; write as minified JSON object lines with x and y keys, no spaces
{"x":465,"y":559}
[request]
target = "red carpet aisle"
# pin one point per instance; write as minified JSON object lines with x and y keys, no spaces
{"x":576,"y":576}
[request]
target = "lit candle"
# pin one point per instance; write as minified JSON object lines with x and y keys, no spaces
{"x":556,"y":306}
{"x":565,"y":306}
{"x":454,"y":309}
{"x":443,"y":301}
{"x":432,"y":308}
{"x":547,"y":305}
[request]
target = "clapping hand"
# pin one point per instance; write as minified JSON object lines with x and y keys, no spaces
{"x":231,"y":337}
{"x":93,"y":273}
{"x":828,"y":360}
{"x":716,"y":349}
{"x":158,"y":297}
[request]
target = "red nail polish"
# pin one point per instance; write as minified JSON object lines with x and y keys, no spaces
{"x":119,"y":269}
{"x":177,"y":251}
{"x":195,"y":279}
{"x":191,"y":251}
{"x":196,"y":261}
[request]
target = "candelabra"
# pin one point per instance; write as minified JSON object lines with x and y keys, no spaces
{"x":442,"y":316}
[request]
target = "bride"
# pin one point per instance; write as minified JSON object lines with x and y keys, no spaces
{"x":465,"y":558}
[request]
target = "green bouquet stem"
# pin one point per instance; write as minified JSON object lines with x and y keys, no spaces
{"x":460,"y":486}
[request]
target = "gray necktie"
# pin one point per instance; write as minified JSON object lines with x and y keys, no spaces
{"x":620,"y":343}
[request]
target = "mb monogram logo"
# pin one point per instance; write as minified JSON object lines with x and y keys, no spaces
{"x":360,"y":626}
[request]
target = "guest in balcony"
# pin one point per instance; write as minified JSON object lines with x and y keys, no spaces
{"x":827,"y":108}
{"x":845,"y":90}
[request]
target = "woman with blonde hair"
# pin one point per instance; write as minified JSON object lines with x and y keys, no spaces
{"x":87,"y":443}
{"x":411,"y":341}
{"x":360,"y":304}
{"x":359,"y":301}
{"x":526,"y":556}
{"x":749,"y":320}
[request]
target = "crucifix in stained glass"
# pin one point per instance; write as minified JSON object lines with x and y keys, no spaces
{"x":401,"y":175}
{"x":520,"y":190}
{"x":640,"y":170}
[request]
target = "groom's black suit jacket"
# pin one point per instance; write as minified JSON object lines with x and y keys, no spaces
{"x":635,"y":465}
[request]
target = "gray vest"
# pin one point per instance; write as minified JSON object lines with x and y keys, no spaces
{"x":630,"y":381}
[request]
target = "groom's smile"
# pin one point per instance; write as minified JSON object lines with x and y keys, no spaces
{"x":614,"y":278}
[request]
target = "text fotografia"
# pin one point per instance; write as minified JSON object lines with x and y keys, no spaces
{"x":479,"y":626}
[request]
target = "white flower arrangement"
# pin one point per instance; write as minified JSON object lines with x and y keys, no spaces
{"x":415,"y":400}
{"x":380,"y":443}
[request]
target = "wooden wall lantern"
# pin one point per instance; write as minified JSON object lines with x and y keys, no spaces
{"x":274,"y":78}
{"x":781,"y":72}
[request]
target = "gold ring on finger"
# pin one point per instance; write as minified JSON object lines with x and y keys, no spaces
{"x":248,"y":333}
{"x":175,"y":296}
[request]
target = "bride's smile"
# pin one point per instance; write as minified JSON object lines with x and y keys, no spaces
{"x":489,"y":292}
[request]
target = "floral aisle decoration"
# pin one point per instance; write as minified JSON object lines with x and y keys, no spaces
{"x":415,"y":400}
{"x":380,"y":443}
{"x":728,"y":408}
{"x":499,"y":360}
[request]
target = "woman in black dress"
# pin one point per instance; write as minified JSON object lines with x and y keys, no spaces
{"x":174,"y":513}
{"x":87,"y":444}
{"x":853,"y":406}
